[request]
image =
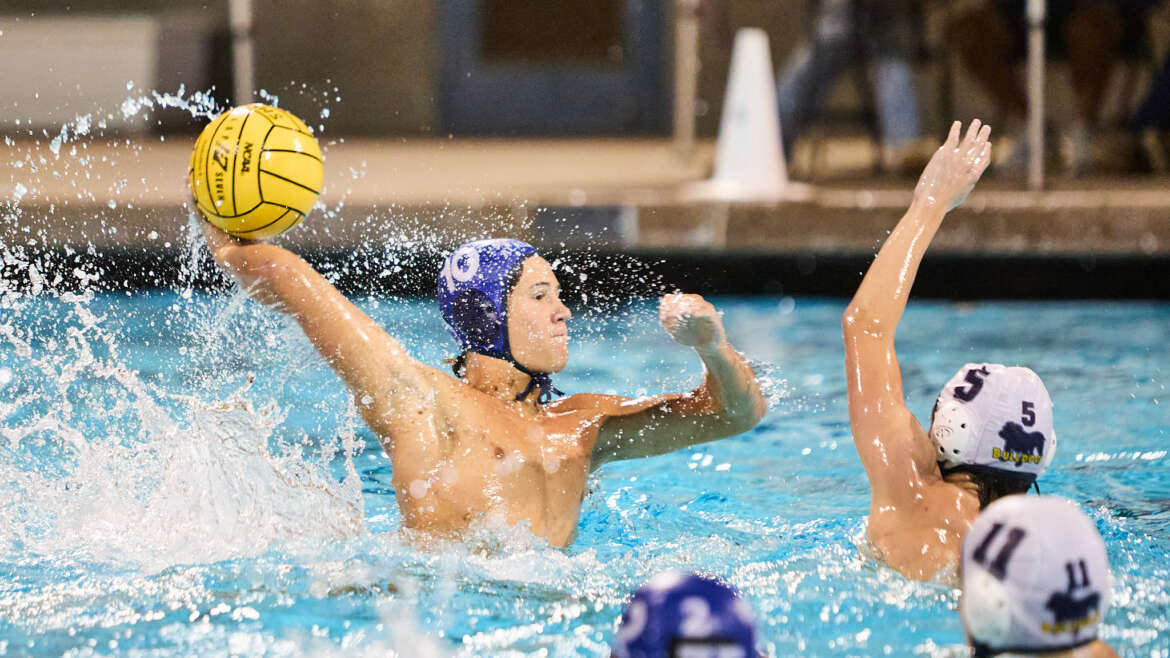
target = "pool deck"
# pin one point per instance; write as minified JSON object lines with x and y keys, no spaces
{"x":633,"y":192}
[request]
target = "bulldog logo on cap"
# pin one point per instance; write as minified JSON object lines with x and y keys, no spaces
{"x":1071,"y":613}
{"x":1019,"y":445}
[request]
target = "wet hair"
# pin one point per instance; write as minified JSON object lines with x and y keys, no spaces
{"x":994,"y":487}
{"x":459,"y":363}
{"x":990,"y":485}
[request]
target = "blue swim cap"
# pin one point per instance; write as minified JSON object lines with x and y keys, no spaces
{"x":473,"y":298}
{"x":679,"y":614}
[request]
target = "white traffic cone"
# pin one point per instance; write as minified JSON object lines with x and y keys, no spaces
{"x":749,"y":160}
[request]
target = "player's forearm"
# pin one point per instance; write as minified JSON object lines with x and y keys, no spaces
{"x":881,"y":298}
{"x":272,"y":275}
{"x":253,"y":264}
{"x":733,"y":388}
{"x":369,"y":361}
{"x":728,"y":402}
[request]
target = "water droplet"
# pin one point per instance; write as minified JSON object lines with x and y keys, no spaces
{"x":418,"y":488}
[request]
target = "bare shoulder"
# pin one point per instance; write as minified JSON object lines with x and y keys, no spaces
{"x":452,"y":392}
{"x":404,"y":398}
{"x":442,"y":378}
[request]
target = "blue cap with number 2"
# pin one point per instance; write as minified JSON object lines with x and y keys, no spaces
{"x":994,"y":418}
{"x":679,"y":614}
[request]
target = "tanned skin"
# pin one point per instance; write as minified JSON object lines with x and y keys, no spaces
{"x":917,"y":518}
{"x":464,"y":450}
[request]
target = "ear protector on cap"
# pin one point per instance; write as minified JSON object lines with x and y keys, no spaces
{"x":985,"y":606}
{"x":473,"y":312}
{"x":954,"y":434}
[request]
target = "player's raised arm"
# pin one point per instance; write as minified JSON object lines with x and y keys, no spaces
{"x":363,"y":354}
{"x":728,"y":402}
{"x":888,"y":438}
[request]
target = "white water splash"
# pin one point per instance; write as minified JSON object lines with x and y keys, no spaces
{"x":163,"y":479}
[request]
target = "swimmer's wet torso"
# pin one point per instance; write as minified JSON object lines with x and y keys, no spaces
{"x":482,"y":458}
{"x":493,"y":446}
{"x":501,"y":463}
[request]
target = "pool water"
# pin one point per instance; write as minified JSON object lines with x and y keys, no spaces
{"x":180,"y":473}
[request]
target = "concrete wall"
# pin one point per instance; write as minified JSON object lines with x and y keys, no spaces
{"x":58,"y":68}
{"x":382,"y":55}
{"x":32,"y":8}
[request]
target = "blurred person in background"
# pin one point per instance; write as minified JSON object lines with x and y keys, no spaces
{"x":1035,"y":580}
{"x":1151,"y":121}
{"x":844,"y":33}
{"x":991,"y":39}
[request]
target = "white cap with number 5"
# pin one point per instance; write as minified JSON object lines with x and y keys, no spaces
{"x":994,"y":418}
{"x":1035,"y":577}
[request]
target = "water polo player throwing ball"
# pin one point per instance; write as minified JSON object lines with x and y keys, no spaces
{"x":991,"y":430}
{"x":494,"y":443}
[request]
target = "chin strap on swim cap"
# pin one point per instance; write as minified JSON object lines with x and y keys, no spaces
{"x":536,"y":380}
{"x":541,"y":380}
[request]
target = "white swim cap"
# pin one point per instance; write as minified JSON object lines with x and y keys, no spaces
{"x":1035,"y":576}
{"x":994,"y":418}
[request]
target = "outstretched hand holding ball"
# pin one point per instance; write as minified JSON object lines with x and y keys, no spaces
{"x":256,"y":171}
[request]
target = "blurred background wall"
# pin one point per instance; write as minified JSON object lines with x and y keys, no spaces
{"x":430,"y":67}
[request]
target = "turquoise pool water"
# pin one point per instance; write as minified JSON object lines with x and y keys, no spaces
{"x":154,"y":502}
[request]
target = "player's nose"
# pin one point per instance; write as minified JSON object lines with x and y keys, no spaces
{"x":562,"y":313}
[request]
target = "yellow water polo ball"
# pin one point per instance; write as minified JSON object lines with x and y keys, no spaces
{"x":256,"y":171}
